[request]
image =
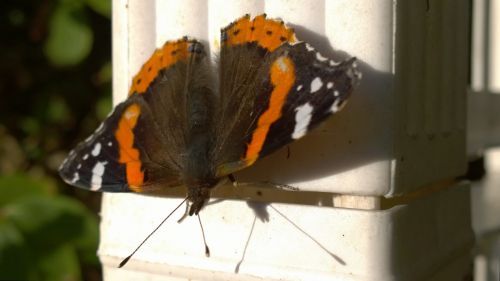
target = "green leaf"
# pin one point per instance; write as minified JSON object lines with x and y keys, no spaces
{"x":70,"y":37}
{"x":59,"y":265}
{"x":105,"y":73}
{"x":102,"y":7}
{"x":14,"y":253}
{"x":17,"y":186}
{"x":104,"y":106}
{"x":40,"y":237}
{"x":30,"y":125}
{"x":58,"y":220}
{"x":88,"y":241}
{"x":57,"y":110}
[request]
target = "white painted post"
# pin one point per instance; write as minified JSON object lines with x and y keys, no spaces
{"x":483,"y":135}
{"x":377,"y":199}
{"x":484,"y":98}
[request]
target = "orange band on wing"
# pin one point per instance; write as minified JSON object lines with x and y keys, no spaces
{"x":268,"y":33}
{"x":128,"y":154}
{"x":282,"y":78}
{"x":164,"y":57}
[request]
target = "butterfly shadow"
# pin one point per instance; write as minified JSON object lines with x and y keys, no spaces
{"x":261,"y":212}
{"x":258,"y":198}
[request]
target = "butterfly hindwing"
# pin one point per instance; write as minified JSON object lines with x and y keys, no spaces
{"x":273,"y":91}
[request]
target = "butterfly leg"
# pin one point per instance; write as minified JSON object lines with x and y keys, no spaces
{"x":232,"y":179}
{"x":235,"y":183}
{"x":185,"y":213}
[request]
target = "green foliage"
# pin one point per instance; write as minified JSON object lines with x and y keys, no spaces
{"x":70,"y":37}
{"x":103,"y":7}
{"x":42,"y":233}
{"x":55,"y":81}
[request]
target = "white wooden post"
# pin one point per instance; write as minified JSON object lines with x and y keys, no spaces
{"x":377,"y":199}
{"x":484,"y":98}
{"x":483,"y":136}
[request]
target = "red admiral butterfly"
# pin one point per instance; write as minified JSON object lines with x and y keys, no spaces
{"x":184,"y":125}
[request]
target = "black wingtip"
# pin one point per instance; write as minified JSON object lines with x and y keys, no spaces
{"x":124,"y":261}
{"x":353,"y":70}
{"x":350,"y":61}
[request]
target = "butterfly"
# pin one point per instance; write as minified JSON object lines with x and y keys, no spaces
{"x":187,"y":123}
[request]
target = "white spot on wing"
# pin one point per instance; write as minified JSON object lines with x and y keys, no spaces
{"x":302,"y":120}
{"x":110,"y":143}
{"x":130,"y":114}
{"x":89,"y":138}
{"x":99,"y":129}
{"x":336,"y":106}
{"x":97,"y":173}
{"x":333,"y":63}
{"x":85,"y":157}
{"x":75,"y":178}
{"x":96,"y":150}
{"x":329,"y":85}
{"x":309,"y":47}
{"x":335,"y":93}
{"x":79,"y":166}
{"x":316,"y":84}
{"x":281,"y":64}
{"x":299,"y":87}
{"x":320,"y":57}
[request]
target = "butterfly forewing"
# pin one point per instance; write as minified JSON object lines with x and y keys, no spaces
{"x":273,"y":91}
{"x":321,"y":88}
{"x":94,"y":163}
{"x":142,"y":145}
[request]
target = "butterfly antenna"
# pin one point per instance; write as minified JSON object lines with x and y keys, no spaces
{"x":207,"y":250}
{"x":125,"y":260}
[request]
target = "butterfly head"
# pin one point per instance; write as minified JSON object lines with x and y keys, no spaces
{"x":199,"y":193}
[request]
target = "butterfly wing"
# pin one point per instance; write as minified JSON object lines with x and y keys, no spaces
{"x":273,"y":90}
{"x":140,"y":146}
{"x":114,"y":157}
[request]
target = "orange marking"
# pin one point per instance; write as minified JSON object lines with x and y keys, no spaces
{"x":282,"y":78}
{"x":268,"y":33}
{"x":170,"y":53}
{"x":239,"y":31}
{"x":128,"y":154}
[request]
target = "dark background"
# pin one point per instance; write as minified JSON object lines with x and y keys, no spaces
{"x":55,"y":85}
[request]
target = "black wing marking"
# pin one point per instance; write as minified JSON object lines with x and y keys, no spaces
{"x":93,"y":164}
{"x":322,"y":88}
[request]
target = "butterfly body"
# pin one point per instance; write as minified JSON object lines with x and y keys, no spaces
{"x":187,"y":124}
